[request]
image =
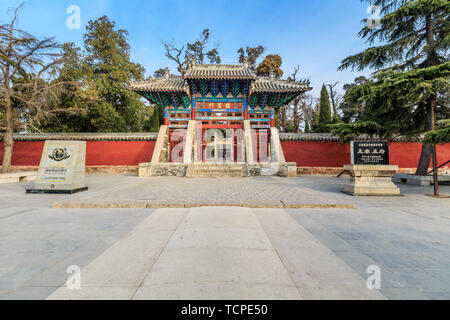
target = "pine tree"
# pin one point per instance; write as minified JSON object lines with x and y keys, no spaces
{"x":111,"y":70}
{"x":324,"y":111}
{"x":412,"y":59}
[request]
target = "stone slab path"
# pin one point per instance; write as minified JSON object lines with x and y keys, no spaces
{"x":218,"y":253}
{"x":125,"y":252}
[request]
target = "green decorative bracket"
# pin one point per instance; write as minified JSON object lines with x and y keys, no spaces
{"x":186,"y":102}
{"x":236,"y":88}
{"x":253,"y":101}
{"x":203,"y":88}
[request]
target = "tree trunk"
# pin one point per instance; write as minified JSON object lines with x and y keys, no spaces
{"x":425,"y":157}
{"x":283,"y":118}
{"x":8,"y":141}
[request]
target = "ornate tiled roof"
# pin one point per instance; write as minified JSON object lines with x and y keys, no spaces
{"x":219,"y":71}
{"x":270,"y":84}
{"x":153,"y":136}
{"x":330,"y":137}
{"x":84,"y":136}
{"x":164,"y":84}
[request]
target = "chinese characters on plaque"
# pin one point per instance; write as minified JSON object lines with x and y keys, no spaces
{"x":370,"y":152}
{"x":62,"y":168}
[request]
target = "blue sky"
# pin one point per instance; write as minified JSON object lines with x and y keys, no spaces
{"x":315,"y":34}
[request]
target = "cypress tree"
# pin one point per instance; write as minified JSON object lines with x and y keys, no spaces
{"x":325,"y":110}
{"x":153,"y":124}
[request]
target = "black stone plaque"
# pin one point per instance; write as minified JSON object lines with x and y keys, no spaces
{"x":370,"y":152}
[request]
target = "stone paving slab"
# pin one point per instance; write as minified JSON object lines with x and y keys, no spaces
{"x":406,"y":237}
{"x":315,"y":269}
{"x":125,"y":264}
{"x":410,"y":245}
{"x":38,"y":244}
{"x":218,"y":253}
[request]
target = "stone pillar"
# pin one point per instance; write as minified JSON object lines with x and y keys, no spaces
{"x":189,"y":144}
{"x":276,"y":151}
{"x":161,"y":146}
{"x":371,"y":180}
{"x":248,"y":142}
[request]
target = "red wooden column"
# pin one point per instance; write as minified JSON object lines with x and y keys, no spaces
{"x":166,"y":117}
{"x":272,"y":118}
{"x":193,"y":112}
{"x":245,"y":110}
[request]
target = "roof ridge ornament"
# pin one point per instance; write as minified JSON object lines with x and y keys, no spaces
{"x":167,"y":72}
{"x":245,"y":62}
{"x":272,"y":74}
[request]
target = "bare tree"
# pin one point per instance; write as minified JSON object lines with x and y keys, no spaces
{"x":177,"y":55}
{"x":192,"y":51}
{"x":26,"y":64}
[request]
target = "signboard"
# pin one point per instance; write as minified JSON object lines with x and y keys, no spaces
{"x":61,"y":169}
{"x":370,"y":152}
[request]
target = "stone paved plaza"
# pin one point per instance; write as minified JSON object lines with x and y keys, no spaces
{"x":223,"y":252}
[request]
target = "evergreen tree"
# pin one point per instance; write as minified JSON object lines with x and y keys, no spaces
{"x":324,"y":112}
{"x":325,"y":107}
{"x":271,"y":64}
{"x":108,"y":58}
{"x":153,"y":124}
{"x":412,"y":59}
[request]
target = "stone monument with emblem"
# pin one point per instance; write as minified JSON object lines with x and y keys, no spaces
{"x":370,"y":170}
{"x":62,"y":168}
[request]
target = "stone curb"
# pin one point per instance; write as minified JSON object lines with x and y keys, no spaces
{"x":138,"y":205}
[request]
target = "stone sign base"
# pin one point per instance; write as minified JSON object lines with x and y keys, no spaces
{"x":35,"y":191}
{"x":371,"y":180}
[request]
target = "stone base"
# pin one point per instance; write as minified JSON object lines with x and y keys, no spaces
{"x":287,"y":169}
{"x":425,"y":181}
{"x":371,"y":181}
{"x":36,"y":191}
{"x":162,"y":170}
{"x":17,"y":177}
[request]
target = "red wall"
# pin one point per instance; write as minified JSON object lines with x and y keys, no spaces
{"x":335,"y":154}
{"x":304,"y":153}
{"x":98,"y":153}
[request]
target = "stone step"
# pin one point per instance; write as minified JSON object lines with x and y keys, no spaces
{"x":16,"y":177}
{"x":217,"y":170}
